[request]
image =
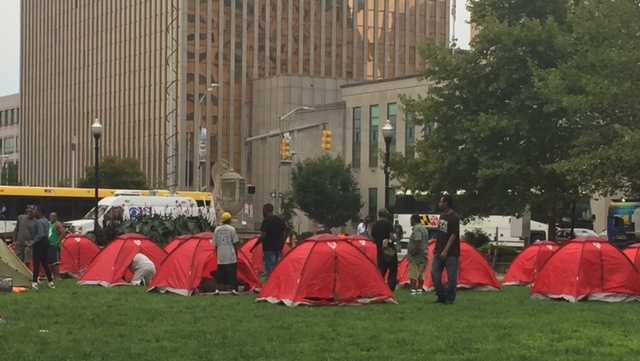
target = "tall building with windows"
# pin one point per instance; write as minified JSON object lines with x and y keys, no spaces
{"x":9,"y":138}
{"x":156,"y":72}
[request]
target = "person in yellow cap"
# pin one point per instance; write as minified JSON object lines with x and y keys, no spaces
{"x":226,"y":241}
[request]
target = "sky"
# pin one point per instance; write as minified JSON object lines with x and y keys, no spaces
{"x":10,"y":45}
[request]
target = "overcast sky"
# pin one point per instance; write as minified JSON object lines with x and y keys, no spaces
{"x":10,"y":48}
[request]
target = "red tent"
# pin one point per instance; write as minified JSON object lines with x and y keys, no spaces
{"x":171,"y":246}
{"x":633,"y":254}
{"x":254,"y":250}
{"x":76,"y":253}
{"x":593,"y":270}
{"x":326,"y":270}
{"x":474,"y":271}
{"x":111,"y":266}
{"x":194,"y":260}
{"x":367,"y":246}
{"x":526,"y":266}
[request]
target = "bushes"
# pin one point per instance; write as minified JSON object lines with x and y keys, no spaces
{"x":160,"y":229}
{"x":477,"y":238}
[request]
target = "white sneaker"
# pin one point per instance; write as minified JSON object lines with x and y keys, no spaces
{"x":34,"y":285}
{"x":52,"y":284}
{"x":414,"y":292}
{"x":234,"y":292}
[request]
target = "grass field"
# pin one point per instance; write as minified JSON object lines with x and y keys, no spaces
{"x":91,"y":323}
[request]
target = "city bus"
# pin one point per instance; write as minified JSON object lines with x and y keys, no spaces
{"x":69,"y":203}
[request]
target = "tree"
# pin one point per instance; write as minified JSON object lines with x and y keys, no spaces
{"x":599,"y":86}
{"x":493,"y":140}
{"x":326,"y":191}
{"x":116,"y":173}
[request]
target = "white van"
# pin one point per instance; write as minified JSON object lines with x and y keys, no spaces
{"x":133,"y":206}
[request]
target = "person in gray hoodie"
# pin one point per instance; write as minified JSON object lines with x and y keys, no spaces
{"x":40,"y":245}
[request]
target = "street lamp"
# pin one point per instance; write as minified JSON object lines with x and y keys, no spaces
{"x":96,"y":131}
{"x":387,"y":134}
{"x":203,"y":135}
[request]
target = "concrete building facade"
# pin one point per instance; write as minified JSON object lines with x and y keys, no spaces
{"x":146,"y":68}
{"x":353,"y":111}
{"x":9,"y":137}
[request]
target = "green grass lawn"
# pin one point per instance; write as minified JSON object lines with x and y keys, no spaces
{"x":94,"y":323}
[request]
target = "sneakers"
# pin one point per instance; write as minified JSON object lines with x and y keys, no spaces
{"x":414,"y":292}
{"x":34,"y":285}
{"x":52,"y":284}
{"x":234,"y":292}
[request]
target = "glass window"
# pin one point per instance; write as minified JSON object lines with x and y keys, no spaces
{"x":392,"y":115}
{"x":410,"y":135}
{"x":373,"y":202}
{"x":9,"y":145}
{"x":357,"y":137}
{"x":374,"y":126}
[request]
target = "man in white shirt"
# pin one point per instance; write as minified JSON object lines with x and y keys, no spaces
{"x":363,"y":227}
{"x":226,"y":241}
{"x":143,"y":270}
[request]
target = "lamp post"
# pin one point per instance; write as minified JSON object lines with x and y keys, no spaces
{"x":96,"y":131}
{"x":203,"y":141}
{"x":387,"y":134}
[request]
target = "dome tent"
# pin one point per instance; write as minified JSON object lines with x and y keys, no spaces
{"x":588,"y":269}
{"x":253,"y":249}
{"x":111,"y":266}
{"x":76,"y":254}
{"x":193,"y":261}
{"x":529,"y":263}
{"x":326,"y":270}
{"x":474,"y":272}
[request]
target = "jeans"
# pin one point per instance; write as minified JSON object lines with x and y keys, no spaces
{"x":40,"y":258}
{"x":447,"y":294}
{"x":389,"y":265}
{"x":270,"y":260}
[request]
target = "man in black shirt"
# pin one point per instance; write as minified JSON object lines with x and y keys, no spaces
{"x":273,"y":235}
{"x":382,"y":233}
{"x":447,"y":252}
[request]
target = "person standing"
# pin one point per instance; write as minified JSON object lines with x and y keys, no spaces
{"x":40,"y":245}
{"x":226,"y":242}
{"x":56,"y":234}
{"x":382,"y":234}
{"x":417,"y":253}
{"x":447,"y":251}
{"x":23,"y":234}
{"x":272,"y":237}
{"x":363,"y":227}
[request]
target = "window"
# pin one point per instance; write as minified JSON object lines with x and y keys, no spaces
{"x":373,"y":202}
{"x":374,"y":136}
{"x":410,"y":135}
{"x":392,"y":114}
{"x":357,"y":137}
{"x":9,"y":145}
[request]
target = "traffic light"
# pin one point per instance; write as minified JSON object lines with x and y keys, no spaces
{"x":285,"y":149}
{"x":326,"y":140}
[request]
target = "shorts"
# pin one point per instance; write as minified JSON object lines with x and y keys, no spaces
{"x":416,"y":271}
{"x":53,"y":255}
{"x":226,"y":275}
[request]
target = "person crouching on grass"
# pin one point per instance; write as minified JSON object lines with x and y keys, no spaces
{"x":226,"y":242}
{"x":417,"y":251}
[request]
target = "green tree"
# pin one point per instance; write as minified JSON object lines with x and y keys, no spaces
{"x":326,"y":191}
{"x":116,"y":173}
{"x":493,"y":139}
{"x":599,"y":87}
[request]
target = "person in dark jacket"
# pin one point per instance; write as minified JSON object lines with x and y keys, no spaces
{"x":40,"y":245}
{"x":272,"y":237}
{"x":386,"y":243}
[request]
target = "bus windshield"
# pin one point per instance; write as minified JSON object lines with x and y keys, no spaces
{"x":101,"y":210}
